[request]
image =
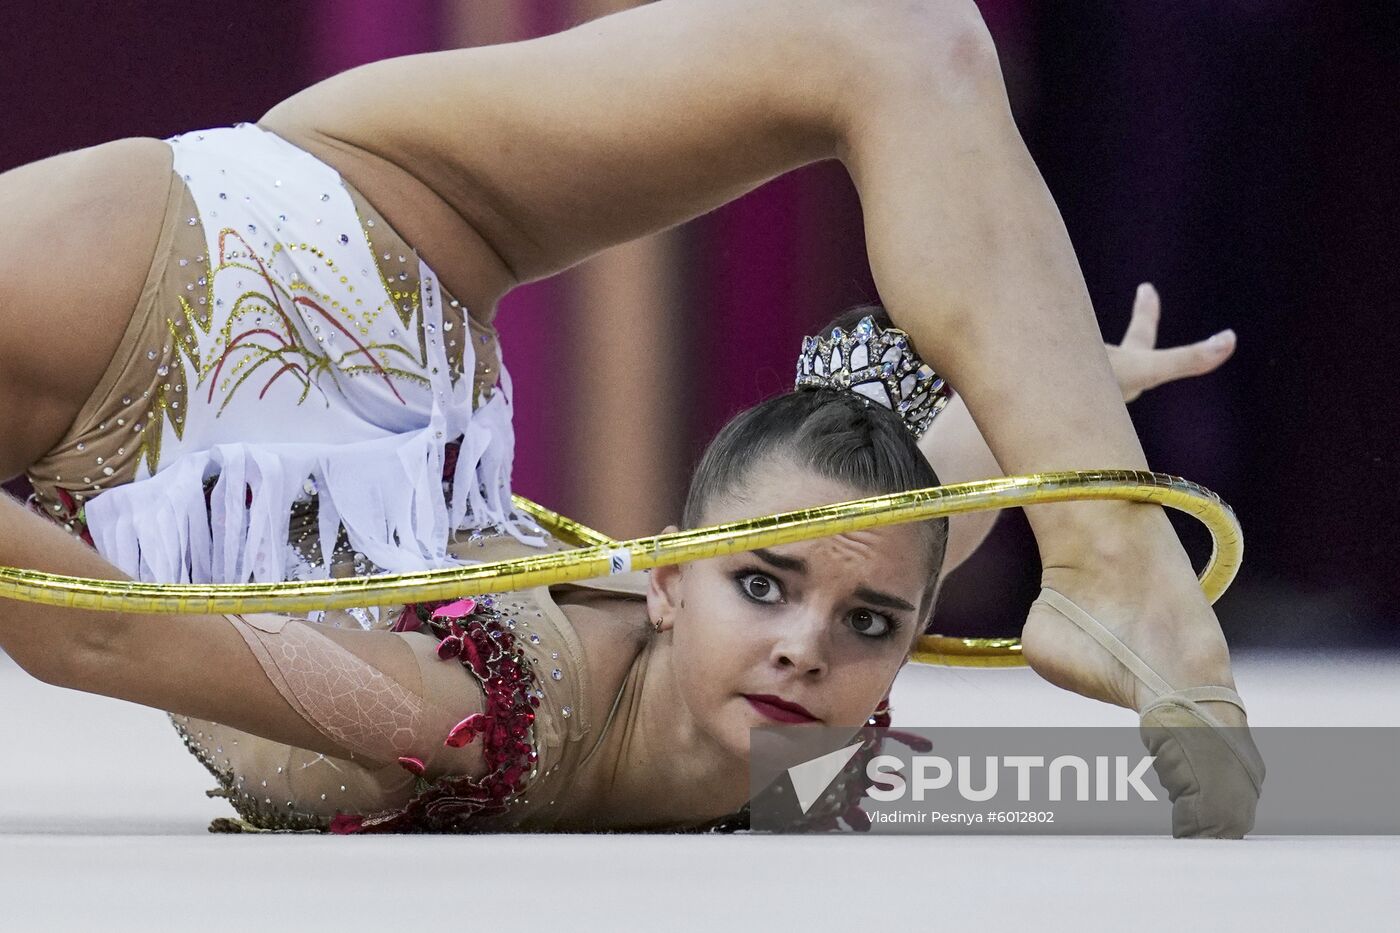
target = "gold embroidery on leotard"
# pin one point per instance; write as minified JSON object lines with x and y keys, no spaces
{"x":119,"y":432}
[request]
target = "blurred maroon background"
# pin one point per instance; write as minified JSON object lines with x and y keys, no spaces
{"x":1240,"y":155}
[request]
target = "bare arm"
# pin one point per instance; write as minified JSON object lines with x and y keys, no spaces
{"x":196,"y":665}
{"x":959,"y":453}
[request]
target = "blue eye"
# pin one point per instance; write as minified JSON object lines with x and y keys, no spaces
{"x":758,"y":587}
{"x":872,"y":624}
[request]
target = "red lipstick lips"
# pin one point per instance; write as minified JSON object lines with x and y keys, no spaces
{"x":778,"y":709}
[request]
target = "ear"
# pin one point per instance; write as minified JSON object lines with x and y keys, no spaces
{"x":664,"y":590}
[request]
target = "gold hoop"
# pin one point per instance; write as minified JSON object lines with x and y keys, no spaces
{"x":602,"y":556}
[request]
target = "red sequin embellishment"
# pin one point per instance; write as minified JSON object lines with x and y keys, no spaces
{"x":408,"y":621}
{"x":468,"y":729}
{"x":482,"y":643}
{"x":461,"y":607}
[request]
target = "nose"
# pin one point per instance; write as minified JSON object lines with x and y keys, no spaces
{"x":800,"y":646}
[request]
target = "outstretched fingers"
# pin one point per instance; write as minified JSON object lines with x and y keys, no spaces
{"x":1147,"y":311}
{"x":1193,"y":359}
{"x":1139,"y":365}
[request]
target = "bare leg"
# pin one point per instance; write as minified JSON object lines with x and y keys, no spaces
{"x":557,"y":148}
{"x":992,"y":293}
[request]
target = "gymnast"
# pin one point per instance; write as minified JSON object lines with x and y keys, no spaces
{"x":330,"y":724}
{"x":285,"y":347}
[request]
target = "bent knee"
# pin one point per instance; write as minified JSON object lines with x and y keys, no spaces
{"x":940,"y":47}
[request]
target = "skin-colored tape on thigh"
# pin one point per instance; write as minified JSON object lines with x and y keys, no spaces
{"x":348,"y":700}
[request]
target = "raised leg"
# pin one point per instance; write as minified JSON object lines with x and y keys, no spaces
{"x":559,"y":147}
{"x":971,"y":256}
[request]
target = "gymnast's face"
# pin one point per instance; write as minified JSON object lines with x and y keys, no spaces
{"x":823,"y":625}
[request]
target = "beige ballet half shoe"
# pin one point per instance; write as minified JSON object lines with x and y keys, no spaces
{"x":1212,"y":772}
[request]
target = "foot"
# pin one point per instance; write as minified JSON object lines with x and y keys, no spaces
{"x":1147,"y":595}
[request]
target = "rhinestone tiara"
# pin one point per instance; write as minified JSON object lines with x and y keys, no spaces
{"x":877,"y":363}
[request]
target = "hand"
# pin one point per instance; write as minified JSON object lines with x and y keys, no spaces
{"x":1139,"y":366}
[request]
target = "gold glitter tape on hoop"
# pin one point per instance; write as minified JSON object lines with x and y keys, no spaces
{"x":940,"y":650}
{"x":562,"y":527}
{"x":675,"y":548}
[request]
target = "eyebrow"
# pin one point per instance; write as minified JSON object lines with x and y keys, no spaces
{"x":795,"y":564}
{"x":883,"y":600}
{"x":798,"y":565}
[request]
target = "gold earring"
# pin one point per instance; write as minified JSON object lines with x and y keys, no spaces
{"x":657,"y":625}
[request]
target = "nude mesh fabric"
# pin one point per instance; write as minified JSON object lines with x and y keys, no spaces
{"x":376,"y":717}
{"x":351,"y":702}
